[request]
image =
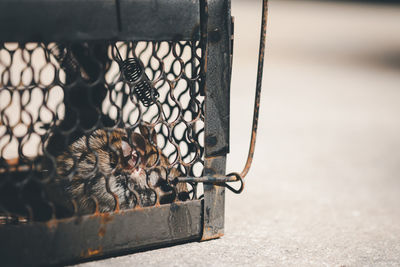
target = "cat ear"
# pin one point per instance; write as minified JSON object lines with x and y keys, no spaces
{"x":139,"y":142}
{"x":145,"y":132}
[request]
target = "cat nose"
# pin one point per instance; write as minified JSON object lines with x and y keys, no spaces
{"x":133,"y":158}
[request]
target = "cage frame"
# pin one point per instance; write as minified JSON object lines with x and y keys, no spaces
{"x":93,"y":236}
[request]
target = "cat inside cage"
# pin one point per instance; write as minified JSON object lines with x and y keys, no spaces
{"x":98,"y":127}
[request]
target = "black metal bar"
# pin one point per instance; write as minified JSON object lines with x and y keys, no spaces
{"x":218,"y":78}
{"x":74,"y":20}
{"x":214,"y":200}
{"x":92,"y":236}
{"x":218,"y":180}
{"x":203,"y":44}
{"x":57,"y":20}
{"x":160,"y":20}
{"x":216,"y":113}
{"x":207,"y":179}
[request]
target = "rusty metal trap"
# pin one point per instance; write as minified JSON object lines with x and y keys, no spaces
{"x":114,"y":126}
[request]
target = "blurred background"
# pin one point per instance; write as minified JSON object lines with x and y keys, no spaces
{"x":324,"y":188}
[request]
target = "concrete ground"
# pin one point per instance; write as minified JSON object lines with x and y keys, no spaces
{"x":324,"y":188}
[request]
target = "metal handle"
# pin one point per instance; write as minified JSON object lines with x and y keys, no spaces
{"x":261,"y":53}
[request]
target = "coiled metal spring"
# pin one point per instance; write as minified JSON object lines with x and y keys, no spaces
{"x":133,"y":71}
{"x":66,"y":59}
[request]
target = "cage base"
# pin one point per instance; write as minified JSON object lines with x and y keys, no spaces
{"x":94,"y":236}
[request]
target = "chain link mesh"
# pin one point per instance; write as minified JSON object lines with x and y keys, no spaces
{"x":75,"y":137}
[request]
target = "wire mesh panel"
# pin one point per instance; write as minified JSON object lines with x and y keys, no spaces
{"x":95,"y":127}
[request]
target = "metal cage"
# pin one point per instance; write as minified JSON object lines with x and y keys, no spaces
{"x":114,"y":126}
{"x":79,"y":81}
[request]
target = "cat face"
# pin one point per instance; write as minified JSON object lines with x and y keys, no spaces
{"x":138,"y":156}
{"x":110,"y":166}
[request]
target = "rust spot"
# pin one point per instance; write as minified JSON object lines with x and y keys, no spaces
{"x":52,"y":224}
{"x":104,"y":219}
{"x":104,"y":216}
{"x":91,"y":252}
{"x":13,"y":161}
{"x":15,"y":165}
{"x":102,"y":231}
{"x":207,"y":236}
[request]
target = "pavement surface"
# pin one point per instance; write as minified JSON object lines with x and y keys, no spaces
{"x":324,"y":189}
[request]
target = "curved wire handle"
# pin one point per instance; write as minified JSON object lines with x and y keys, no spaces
{"x":261,"y":53}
